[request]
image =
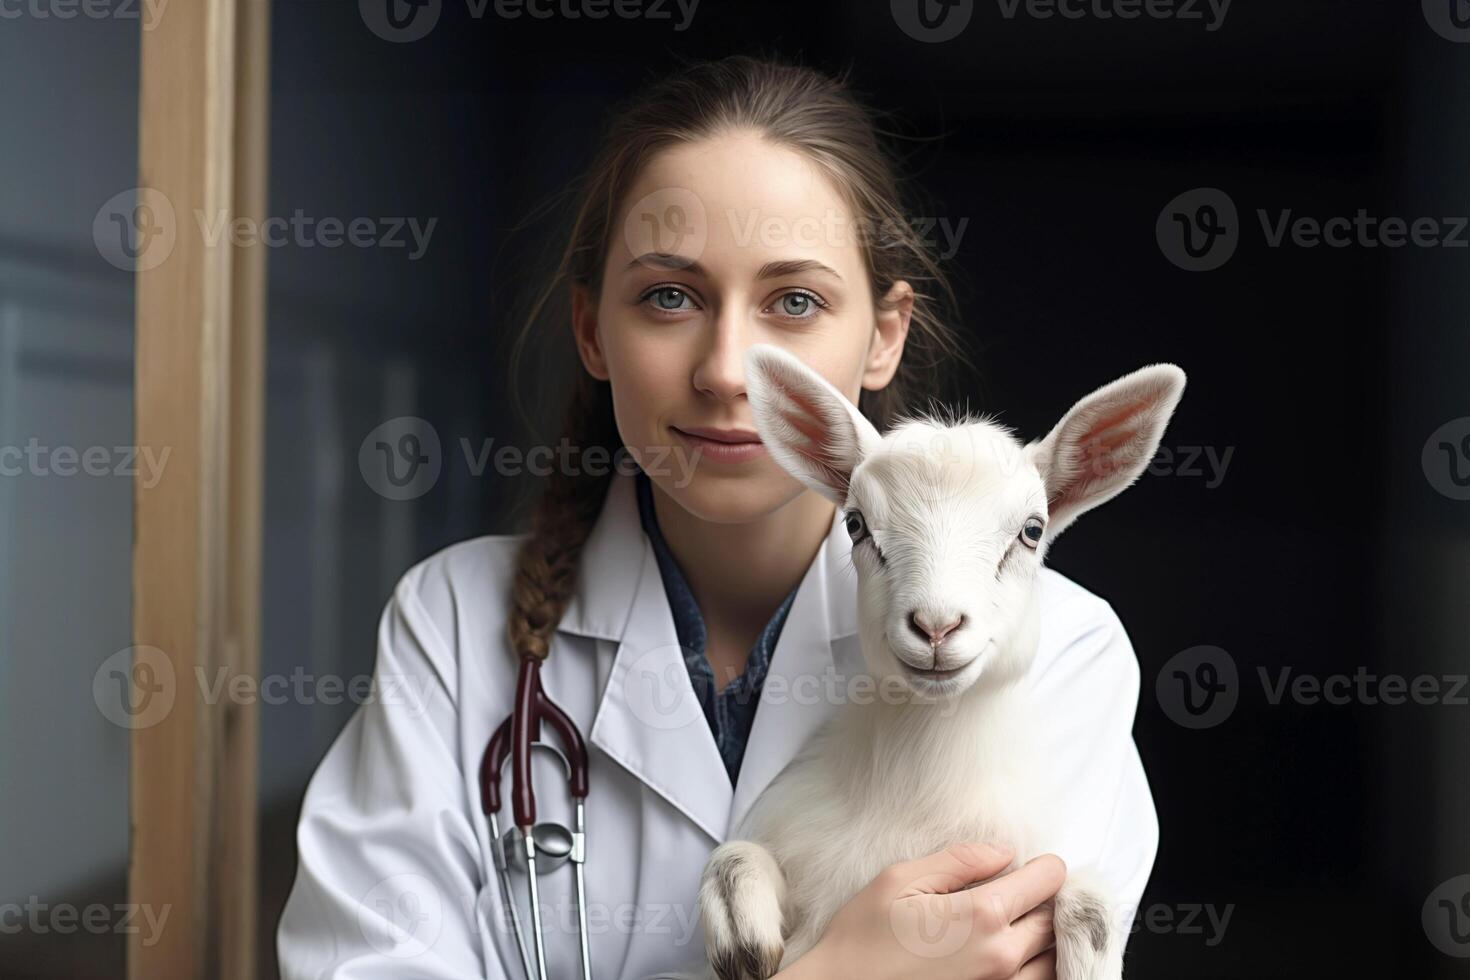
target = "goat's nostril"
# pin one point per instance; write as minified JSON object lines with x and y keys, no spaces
{"x":933,"y":635}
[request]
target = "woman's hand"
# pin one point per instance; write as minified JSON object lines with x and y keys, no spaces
{"x":921,"y":918}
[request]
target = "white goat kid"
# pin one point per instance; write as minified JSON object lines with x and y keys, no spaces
{"x":950,"y":523}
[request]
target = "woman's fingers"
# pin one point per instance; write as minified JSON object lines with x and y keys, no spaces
{"x":1033,"y":933}
{"x":956,"y":867}
{"x":1040,"y":967}
{"x":1009,"y":898}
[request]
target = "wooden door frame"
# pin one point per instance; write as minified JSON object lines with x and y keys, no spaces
{"x":202,"y":151}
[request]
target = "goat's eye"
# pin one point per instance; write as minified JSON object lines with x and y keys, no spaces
{"x":857,"y":528}
{"x":1031,"y":532}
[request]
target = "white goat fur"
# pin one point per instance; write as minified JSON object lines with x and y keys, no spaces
{"x":895,"y":779}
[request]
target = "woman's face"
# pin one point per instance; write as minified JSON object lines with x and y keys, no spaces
{"x":725,"y":243}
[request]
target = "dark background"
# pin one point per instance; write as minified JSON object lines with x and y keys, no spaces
{"x":1322,"y":828}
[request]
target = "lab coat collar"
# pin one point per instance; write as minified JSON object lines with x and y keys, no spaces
{"x":649,"y":719}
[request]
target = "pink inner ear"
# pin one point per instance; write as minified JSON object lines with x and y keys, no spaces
{"x":1102,"y":448}
{"x":1112,"y":434}
{"x":820,"y":451}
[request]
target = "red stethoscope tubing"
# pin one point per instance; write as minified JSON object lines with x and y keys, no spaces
{"x":515,"y":737}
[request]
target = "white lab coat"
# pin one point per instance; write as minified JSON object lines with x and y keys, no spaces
{"x":395,"y":877}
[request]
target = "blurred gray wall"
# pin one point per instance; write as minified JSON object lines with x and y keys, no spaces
{"x":68,"y":142}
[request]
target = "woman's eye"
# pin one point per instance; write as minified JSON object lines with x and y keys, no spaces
{"x":1031,"y":532}
{"x":857,"y":528}
{"x":799,"y":305}
{"x":668,"y":298}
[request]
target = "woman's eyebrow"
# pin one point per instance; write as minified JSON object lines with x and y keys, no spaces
{"x":790,"y":267}
{"x":664,"y":260}
{"x":771,"y":270}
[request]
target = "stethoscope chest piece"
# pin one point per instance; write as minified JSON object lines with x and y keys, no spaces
{"x":554,"y":846}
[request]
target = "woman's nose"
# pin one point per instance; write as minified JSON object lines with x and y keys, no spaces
{"x":720,"y":372}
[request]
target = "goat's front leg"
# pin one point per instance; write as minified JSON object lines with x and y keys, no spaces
{"x":1088,"y":944}
{"x":740,"y":900}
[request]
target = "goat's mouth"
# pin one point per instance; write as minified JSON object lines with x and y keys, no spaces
{"x":935,"y":674}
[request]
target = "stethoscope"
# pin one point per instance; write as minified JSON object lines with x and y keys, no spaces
{"x":513,"y":741}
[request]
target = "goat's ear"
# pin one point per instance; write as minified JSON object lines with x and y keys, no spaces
{"x":808,"y":426}
{"x":1105,"y":442}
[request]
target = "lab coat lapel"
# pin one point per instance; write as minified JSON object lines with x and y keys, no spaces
{"x":649,"y":719}
{"x":815,"y":658}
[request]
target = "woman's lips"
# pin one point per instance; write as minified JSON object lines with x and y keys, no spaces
{"x":722,"y":445}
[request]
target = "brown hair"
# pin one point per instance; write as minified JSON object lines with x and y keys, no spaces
{"x":790,"y":106}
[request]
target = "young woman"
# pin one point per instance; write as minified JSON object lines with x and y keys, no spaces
{"x":697,"y":619}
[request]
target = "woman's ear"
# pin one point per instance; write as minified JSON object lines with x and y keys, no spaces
{"x":890,"y":330}
{"x":584,"y":330}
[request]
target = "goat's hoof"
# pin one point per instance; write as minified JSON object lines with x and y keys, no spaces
{"x":1088,"y":947}
{"x":740,"y":902}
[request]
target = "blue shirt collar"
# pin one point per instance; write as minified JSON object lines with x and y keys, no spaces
{"x":730,"y":712}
